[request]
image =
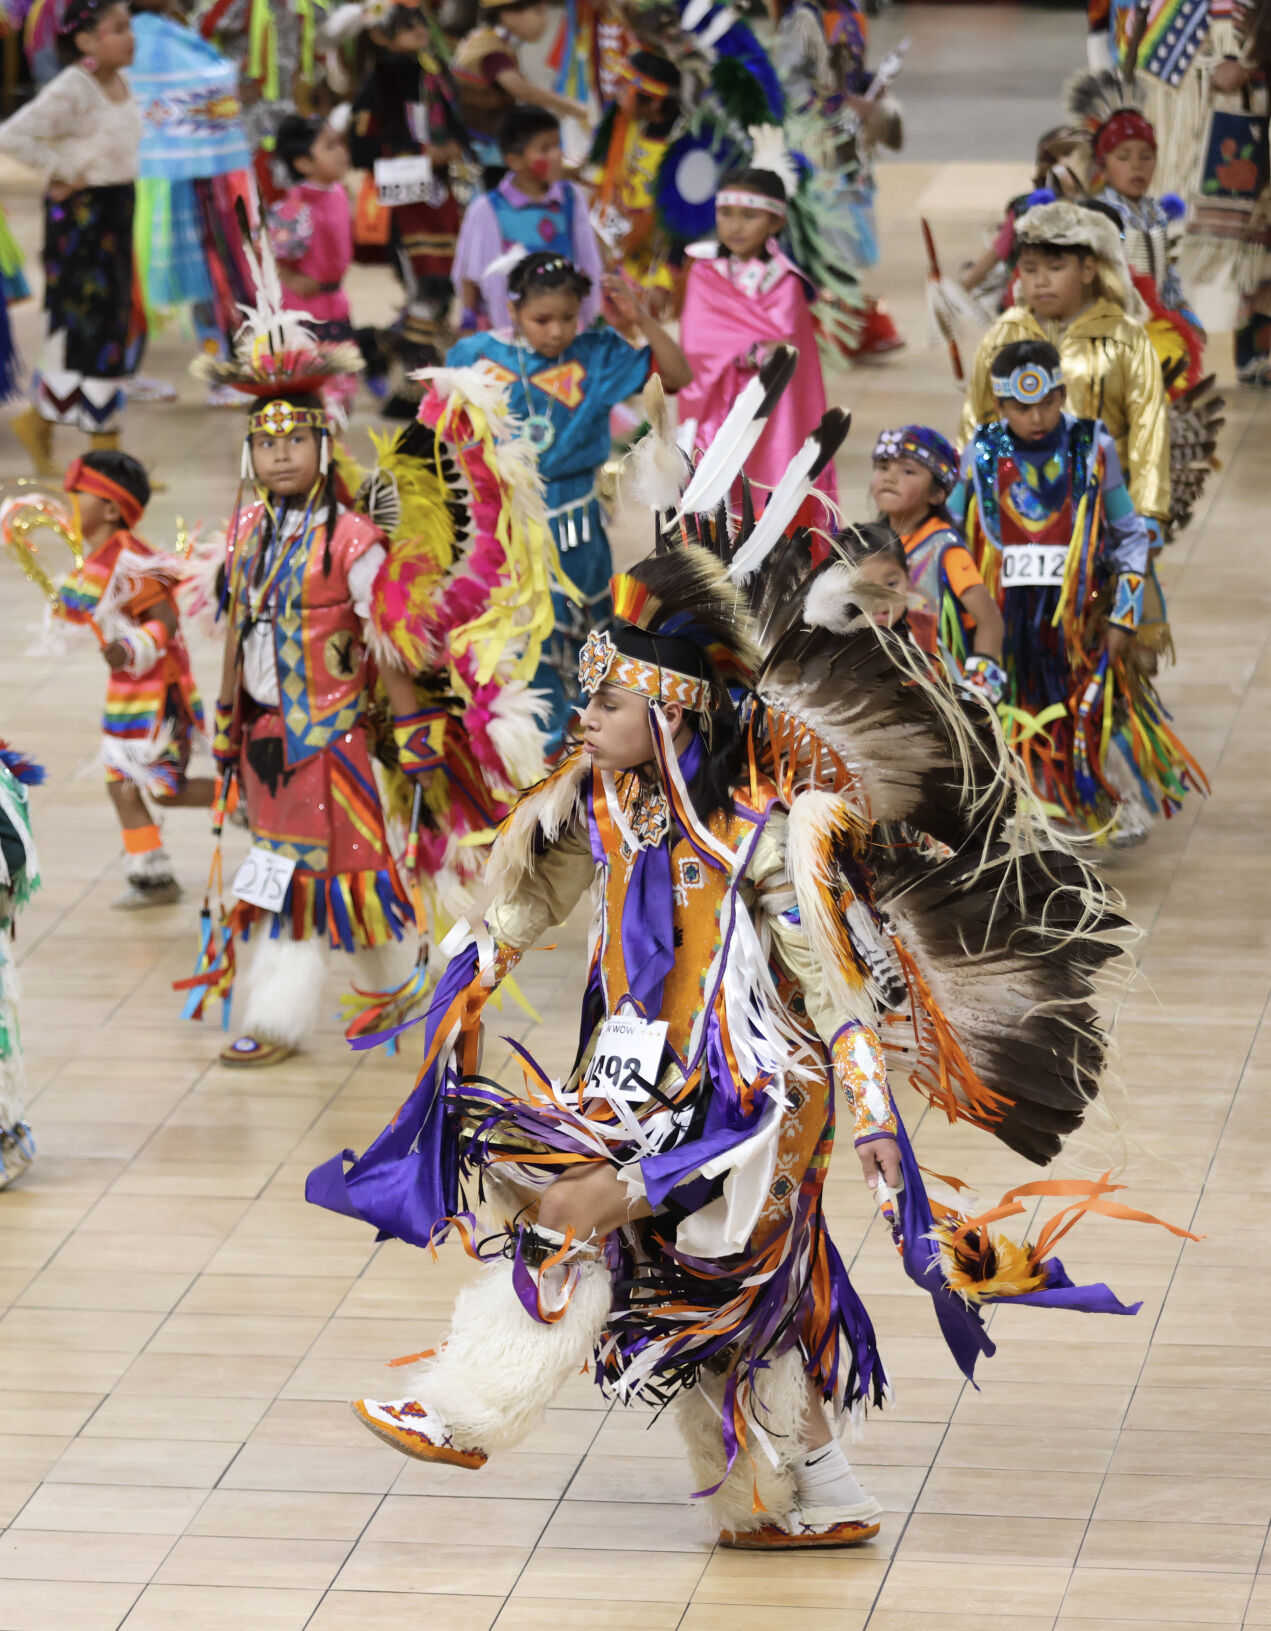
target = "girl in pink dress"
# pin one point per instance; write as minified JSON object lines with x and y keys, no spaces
{"x":744,"y":297}
{"x":311,"y":230}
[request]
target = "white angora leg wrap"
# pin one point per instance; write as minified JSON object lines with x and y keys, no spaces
{"x":284,"y":990}
{"x":500,"y":1369}
{"x":779,"y":1407}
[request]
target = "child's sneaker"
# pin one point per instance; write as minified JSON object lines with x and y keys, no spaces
{"x":143,"y":893}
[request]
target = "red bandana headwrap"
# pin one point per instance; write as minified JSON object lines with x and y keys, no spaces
{"x":82,"y":478}
{"x":1125,"y":125}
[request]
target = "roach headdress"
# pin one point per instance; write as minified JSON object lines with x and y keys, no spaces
{"x":277,"y":358}
{"x":1111,"y":110}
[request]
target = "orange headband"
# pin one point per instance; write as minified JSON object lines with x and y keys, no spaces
{"x":82,"y":478}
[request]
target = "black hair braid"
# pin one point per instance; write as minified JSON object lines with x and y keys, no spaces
{"x":869,"y":539}
{"x":723,"y":758}
{"x":545,"y":272}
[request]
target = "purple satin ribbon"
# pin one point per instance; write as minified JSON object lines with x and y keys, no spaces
{"x":648,"y":926}
{"x":961,"y":1323}
{"x":407,"y":1183}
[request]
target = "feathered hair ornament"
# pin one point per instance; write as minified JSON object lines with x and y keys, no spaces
{"x":276,"y":353}
{"x":769,"y":152}
{"x":20,"y":767}
{"x":685,"y":594}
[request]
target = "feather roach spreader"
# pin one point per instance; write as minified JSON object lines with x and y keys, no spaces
{"x":826,"y":865}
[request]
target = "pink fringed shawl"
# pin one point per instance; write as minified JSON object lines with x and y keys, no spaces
{"x":720,"y":325}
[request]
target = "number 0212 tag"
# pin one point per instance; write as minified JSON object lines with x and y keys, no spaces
{"x":627,"y":1059}
{"x":1033,"y":566}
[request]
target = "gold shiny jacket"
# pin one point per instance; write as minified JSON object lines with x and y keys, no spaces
{"x":1112,"y":373}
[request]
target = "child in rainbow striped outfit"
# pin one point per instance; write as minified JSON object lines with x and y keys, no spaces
{"x":126,"y":591}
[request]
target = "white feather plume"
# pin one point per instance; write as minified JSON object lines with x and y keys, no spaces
{"x":655,"y":471}
{"x":769,"y":152}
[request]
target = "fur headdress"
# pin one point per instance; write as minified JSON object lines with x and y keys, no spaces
{"x":1082,"y":226}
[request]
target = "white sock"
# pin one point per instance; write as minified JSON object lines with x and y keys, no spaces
{"x":824,"y":1478}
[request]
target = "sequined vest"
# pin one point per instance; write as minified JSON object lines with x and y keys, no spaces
{"x":998,"y":475}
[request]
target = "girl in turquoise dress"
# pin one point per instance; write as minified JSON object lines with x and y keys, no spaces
{"x":563,"y":384}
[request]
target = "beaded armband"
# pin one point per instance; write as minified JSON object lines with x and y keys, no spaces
{"x":1127,"y":604}
{"x":224,"y":749}
{"x":861,"y":1071}
{"x":413,"y":734}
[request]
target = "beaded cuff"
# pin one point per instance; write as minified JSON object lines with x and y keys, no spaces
{"x":861,"y":1071}
{"x":1127,"y":605}
{"x":413,"y":735}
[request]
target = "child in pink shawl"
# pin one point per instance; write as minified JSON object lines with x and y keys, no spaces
{"x":743,"y":297}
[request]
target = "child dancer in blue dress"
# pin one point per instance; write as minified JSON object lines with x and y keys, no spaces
{"x":563,"y":384}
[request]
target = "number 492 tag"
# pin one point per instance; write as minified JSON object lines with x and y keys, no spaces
{"x":627,"y":1060}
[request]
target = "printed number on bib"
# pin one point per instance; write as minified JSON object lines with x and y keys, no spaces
{"x":627,"y":1060}
{"x":406,"y":180}
{"x":1033,"y":566}
{"x":263,"y":878}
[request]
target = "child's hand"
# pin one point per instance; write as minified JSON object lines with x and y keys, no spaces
{"x":1119,"y":642}
{"x":116,"y":654}
{"x":622,"y":300}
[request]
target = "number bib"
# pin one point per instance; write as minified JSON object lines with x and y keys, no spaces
{"x":263,"y":878}
{"x":1033,"y":566}
{"x":627,"y":1061}
{"x":405,"y":180}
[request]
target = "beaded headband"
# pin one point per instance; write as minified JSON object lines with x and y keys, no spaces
{"x":280,"y":418}
{"x":925,"y":446}
{"x":1027,"y":384}
{"x":740,"y":199}
{"x":601,"y":663}
{"x":632,"y":74}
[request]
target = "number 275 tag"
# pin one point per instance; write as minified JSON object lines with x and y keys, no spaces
{"x":628,"y":1058}
{"x":263,"y":878}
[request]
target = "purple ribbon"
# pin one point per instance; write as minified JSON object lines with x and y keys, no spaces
{"x":961,"y":1323}
{"x":407,"y":1183}
{"x":648,"y":926}
{"x":731,"y":1446}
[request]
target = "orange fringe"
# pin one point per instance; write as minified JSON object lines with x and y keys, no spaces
{"x":944,"y":1075}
